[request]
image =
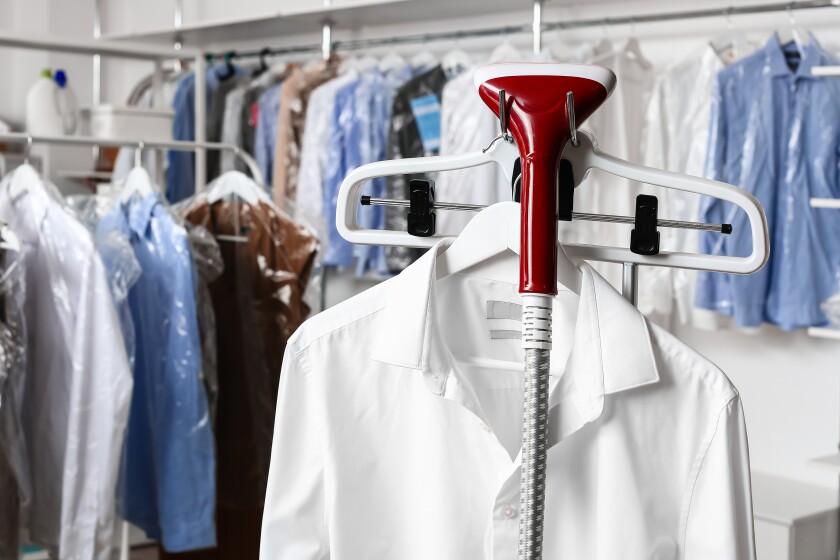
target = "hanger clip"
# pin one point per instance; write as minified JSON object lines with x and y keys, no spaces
{"x":644,"y":239}
{"x":570,"y":112}
{"x":421,"y":213}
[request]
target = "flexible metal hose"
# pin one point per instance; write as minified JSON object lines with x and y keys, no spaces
{"x":536,"y":338}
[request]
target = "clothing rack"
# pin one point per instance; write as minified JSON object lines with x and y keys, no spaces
{"x":537,"y":27}
{"x":174,"y":145}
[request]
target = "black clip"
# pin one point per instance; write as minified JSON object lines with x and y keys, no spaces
{"x":644,"y":239}
{"x":421,"y":213}
{"x":565,"y":188}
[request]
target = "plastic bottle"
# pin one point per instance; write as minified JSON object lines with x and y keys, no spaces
{"x":68,"y":106}
{"x":42,"y":115}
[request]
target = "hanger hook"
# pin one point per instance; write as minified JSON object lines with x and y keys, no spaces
{"x":570,"y":111}
{"x":503,"y":116}
{"x":727,"y":13}
{"x":27,"y":150}
{"x":138,"y":154}
{"x":632,"y":26}
{"x":791,"y":16}
{"x":604,"y":23}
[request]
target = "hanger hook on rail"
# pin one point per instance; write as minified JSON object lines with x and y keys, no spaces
{"x":138,"y":154}
{"x":727,"y":14}
{"x":791,"y":15}
{"x":27,"y":150}
{"x":503,"y":116}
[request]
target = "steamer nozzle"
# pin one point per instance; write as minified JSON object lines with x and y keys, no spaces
{"x":540,"y":104}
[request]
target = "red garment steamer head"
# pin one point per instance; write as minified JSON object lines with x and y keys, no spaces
{"x":537,"y":116}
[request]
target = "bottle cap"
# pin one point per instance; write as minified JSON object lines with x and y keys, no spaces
{"x":46,"y":73}
{"x":60,"y":78}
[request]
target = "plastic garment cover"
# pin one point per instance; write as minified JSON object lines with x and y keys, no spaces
{"x":209,"y":265}
{"x":14,"y":462}
{"x":258,"y":301}
{"x":831,"y":308}
{"x":405,"y":141}
{"x":117,"y":255}
{"x":167,"y":479}
{"x":78,"y":380}
{"x":775,"y":132}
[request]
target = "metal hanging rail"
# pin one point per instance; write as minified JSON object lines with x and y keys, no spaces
{"x":547,"y":26}
{"x":174,"y":145}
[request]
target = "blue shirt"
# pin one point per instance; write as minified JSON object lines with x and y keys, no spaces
{"x":167,"y":481}
{"x":180,"y":173}
{"x":265,"y":138}
{"x":359,"y":136}
{"x":775,"y":132}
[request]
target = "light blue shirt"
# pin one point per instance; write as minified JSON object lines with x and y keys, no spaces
{"x":266,"y":133}
{"x":775,"y":132}
{"x":167,"y":481}
{"x":360,"y":134}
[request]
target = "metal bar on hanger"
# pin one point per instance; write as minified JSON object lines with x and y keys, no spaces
{"x":175,"y":145}
{"x":550,"y":26}
{"x":581,"y":216}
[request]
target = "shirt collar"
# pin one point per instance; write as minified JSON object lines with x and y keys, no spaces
{"x":775,"y":56}
{"x":611,"y":352}
{"x":139,"y":213}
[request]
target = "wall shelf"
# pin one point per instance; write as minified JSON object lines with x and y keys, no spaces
{"x":359,"y":13}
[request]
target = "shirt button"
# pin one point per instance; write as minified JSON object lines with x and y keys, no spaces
{"x":485,"y":427}
{"x":509,"y":512}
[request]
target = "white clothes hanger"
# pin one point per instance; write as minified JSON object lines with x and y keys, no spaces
{"x":792,"y":33}
{"x":456,"y":61}
{"x":583,"y":157}
{"x":505,"y":52}
{"x":424,"y":59}
{"x":366,"y":63}
{"x":235,"y":183}
{"x":138,"y":183}
{"x":392,"y":61}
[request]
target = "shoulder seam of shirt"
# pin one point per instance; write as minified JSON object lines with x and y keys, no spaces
{"x":301,"y":346}
{"x":691,"y":486}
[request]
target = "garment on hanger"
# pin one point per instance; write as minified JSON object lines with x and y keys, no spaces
{"x":291,"y":120}
{"x":216,"y":118}
{"x":14,"y":459}
{"x":265,"y":135}
{"x":676,"y":132}
{"x":180,"y":173}
{"x":415,"y":132}
{"x":362,"y":115}
{"x":617,"y":125}
{"x":466,"y":126}
{"x":167,"y":483}
{"x":258,"y":304}
{"x":403,"y":422}
{"x":78,"y":380}
{"x":314,"y":158}
{"x":757,"y":102}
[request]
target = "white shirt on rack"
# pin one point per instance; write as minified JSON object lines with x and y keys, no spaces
{"x":393,"y":440}
{"x":467,"y":125}
{"x":78,"y":381}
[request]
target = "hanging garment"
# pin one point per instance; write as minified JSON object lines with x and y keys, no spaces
{"x":266,"y":132}
{"x":775,"y":132}
{"x":415,"y":132}
{"x":14,"y":460}
{"x":359,"y":136}
{"x":167,"y":485}
{"x":215,"y":120}
{"x":78,"y":381}
{"x":676,"y":132}
{"x":292,"y":117}
{"x":466,"y":126}
{"x":410,"y":448}
{"x":314,"y":158}
{"x":180,"y":173}
{"x":258,"y":305}
{"x":617,"y":125}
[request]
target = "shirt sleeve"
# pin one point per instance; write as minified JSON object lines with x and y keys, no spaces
{"x":719,"y":522}
{"x":100,"y":396}
{"x":294,"y":521}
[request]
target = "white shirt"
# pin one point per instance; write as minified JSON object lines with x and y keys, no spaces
{"x":313,"y":156}
{"x":393,"y":440}
{"x":466,"y":125}
{"x":78,"y":381}
{"x":676,"y":133}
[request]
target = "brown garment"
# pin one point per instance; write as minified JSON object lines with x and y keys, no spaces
{"x":258,"y":302}
{"x":294,"y":96}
